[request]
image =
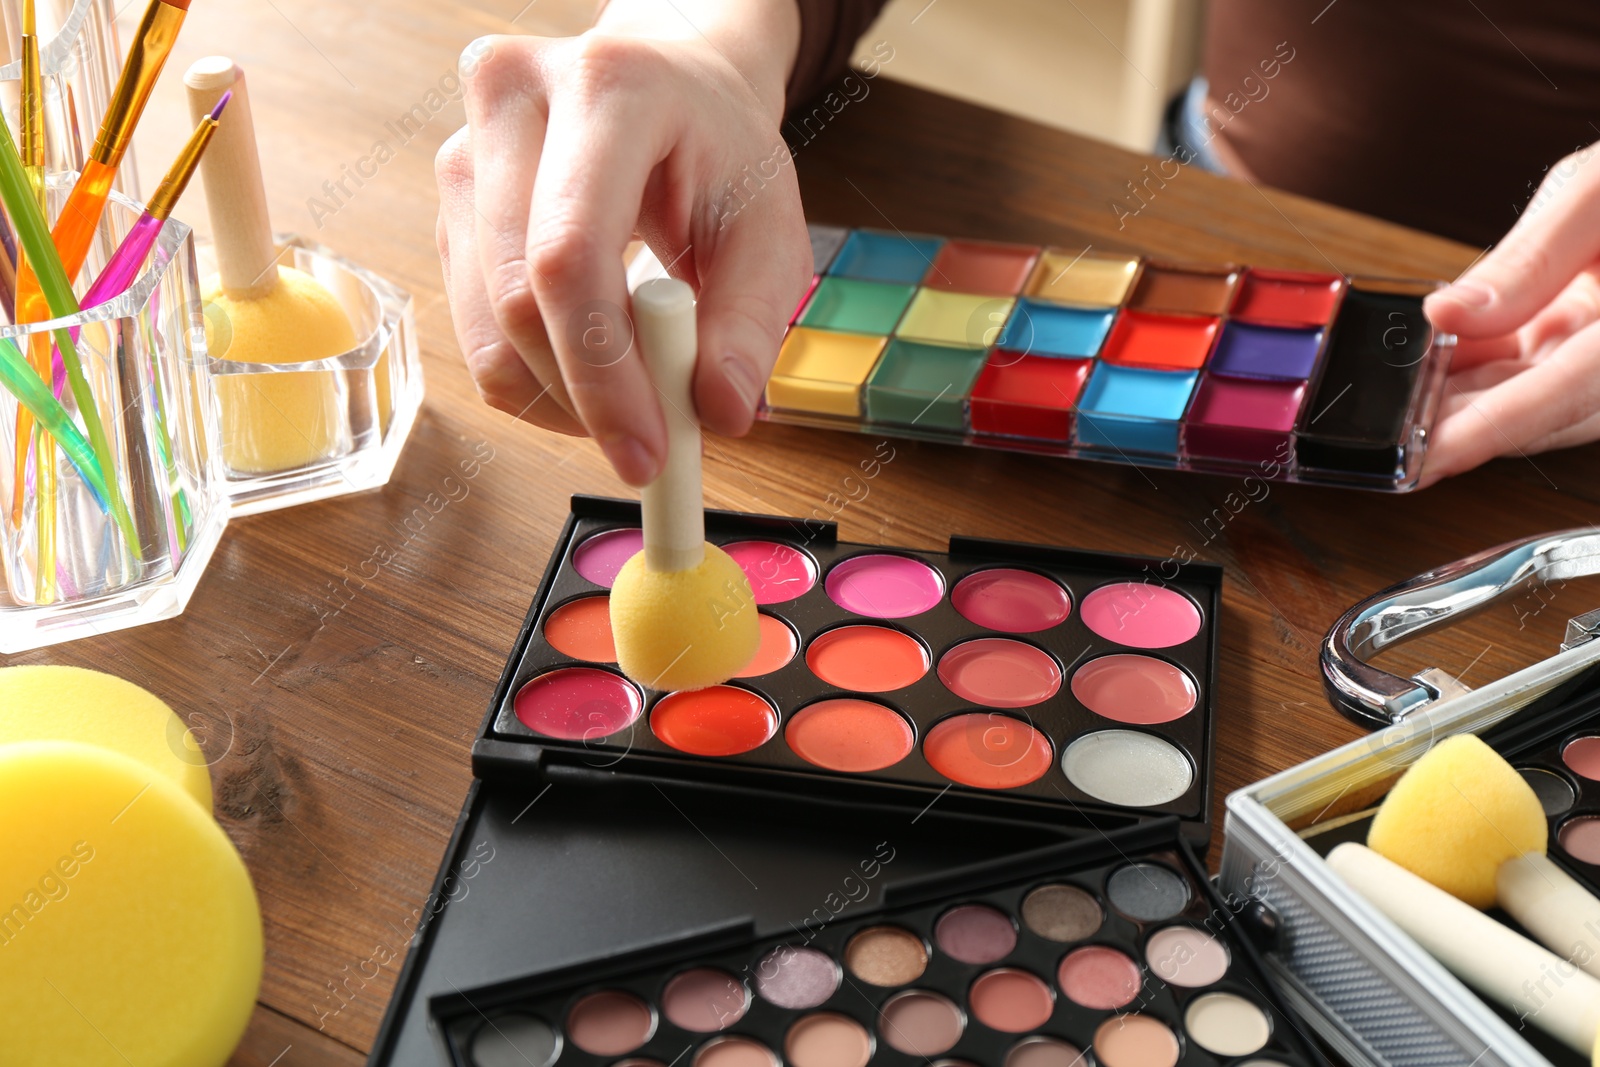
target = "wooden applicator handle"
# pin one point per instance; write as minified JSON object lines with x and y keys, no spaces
{"x":1552,"y":906}
{"x":673,"y":504}
{"x":247,"y":256}
{"x":1504,"y":966}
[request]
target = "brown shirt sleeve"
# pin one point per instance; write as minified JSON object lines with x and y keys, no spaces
{"x":829,"y":30}
{"x":1437,"y":114}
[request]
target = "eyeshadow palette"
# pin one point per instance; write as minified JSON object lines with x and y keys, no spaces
{"x":1117,"y":945}
{"x":1285,"y":375}
{"x":1556,"y":748}
{"x":1047,"y":683}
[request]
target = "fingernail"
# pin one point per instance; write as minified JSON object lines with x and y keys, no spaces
{"x":1469,"y":294}
{"x":633,"y":462}
{"x":742,"y":376}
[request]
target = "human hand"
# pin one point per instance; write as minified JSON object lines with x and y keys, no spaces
{"x":1526,"y":372}
{"x":574,"y":146}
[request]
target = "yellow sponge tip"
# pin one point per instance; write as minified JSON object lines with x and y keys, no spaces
{"x":285,"y":420}
{"x":1456,"y":815}
{"x":128,"y":927}
{"x":51,"y":703}
{"x":684,"y":629}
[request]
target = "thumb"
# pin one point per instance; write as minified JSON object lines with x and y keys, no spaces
{"x":1555,"y":238}
{"x":760,"y":269}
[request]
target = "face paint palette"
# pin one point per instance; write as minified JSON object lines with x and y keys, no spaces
{"x":1043,"y":683}
{"x":1286,"y":375}
{"x":1116,"y":946}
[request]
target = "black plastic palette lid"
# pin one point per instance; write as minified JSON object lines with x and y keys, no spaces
{"x":1026,"y":721}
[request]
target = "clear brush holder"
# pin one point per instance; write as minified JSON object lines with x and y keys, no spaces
{"x":73,"y":565}
{"x":80,"y":58}
{"x":293,"y":430}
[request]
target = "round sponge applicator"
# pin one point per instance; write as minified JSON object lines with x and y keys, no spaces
{"x":277,"y":421}
{"x":682,"y":612}
{"x":1456,"y":815}
{"x":684,"y":629}
{"x":53,"y":703}
{"x":128,"y":926}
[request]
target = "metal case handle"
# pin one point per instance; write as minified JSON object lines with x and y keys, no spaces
{"x":1374,"y":697}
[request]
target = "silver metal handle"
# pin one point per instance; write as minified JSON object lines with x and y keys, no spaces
{"x":1374,"y":697}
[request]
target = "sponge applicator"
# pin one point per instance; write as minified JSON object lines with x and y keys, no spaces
{"x":1456,"y":815}
{"x":682,"y":611}
{"x":259,"y":312}
{"x":1463,"y":819}
{"x":57,"y":703}
{"x":128,"y":926}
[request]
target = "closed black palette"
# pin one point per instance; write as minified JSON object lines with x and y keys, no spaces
{"x":1115,"y":944}
{"x":1081,"y":695}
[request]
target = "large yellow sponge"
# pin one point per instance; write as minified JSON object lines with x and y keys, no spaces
{"x":129,"y":932}
{"x":277,"y":421}
{"x":684,"y":629}
{"x":52,"y":703}
{"x":1456,"y":815}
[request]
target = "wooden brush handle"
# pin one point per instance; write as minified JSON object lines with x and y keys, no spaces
{"x":1546,"y":990}
{"x":673,"y":504}
{"x":247,"y":256}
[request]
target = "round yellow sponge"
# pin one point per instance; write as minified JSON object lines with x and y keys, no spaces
{"x":50,"y":703}
{"x":277,"y":421}
{"x":128,"y":927}
{"x":1456,"y":816}
{"x":684,"y":629}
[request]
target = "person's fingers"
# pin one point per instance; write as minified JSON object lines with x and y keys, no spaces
{"x":586,"y":199}
{"x":1475,"y":351}
{"x":502,"y":378}
{"x":505,"y":113}
{"x":760,"y":269}
{"x":1576,"y":307}
{"x":1553,"y":240}
{"x":1573,"y":310}
{"x":1566,"y":437}
{"x":1560,"y":391}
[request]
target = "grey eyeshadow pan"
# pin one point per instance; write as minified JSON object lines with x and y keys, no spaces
{"x":1147,"y":892}
{"x":514,"y":1041}
{"x":1555,"y":793}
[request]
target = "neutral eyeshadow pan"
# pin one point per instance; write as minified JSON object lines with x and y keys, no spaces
{"x":794,"y":976}
{"x":1062,"y":913}
{"x":610,"y":1023}
{"x":827,"y":1039}
{"x":886,"y":956}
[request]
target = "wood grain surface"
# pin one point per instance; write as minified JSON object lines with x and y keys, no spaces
{"x":338,"y":707}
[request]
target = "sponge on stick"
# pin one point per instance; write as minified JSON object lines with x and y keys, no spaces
{"x":682,"y":611}
{"x":1456,"y":815}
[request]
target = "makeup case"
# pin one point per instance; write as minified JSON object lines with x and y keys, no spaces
{"x":1373,"y":994}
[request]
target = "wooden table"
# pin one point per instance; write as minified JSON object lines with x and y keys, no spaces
{"x":340,"y":726}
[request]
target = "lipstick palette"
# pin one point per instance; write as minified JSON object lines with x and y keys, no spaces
{"x":1291,"y":376}
{"x":1047,"y":683}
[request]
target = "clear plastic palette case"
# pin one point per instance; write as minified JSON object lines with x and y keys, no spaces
{"x":1286,"y":375}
